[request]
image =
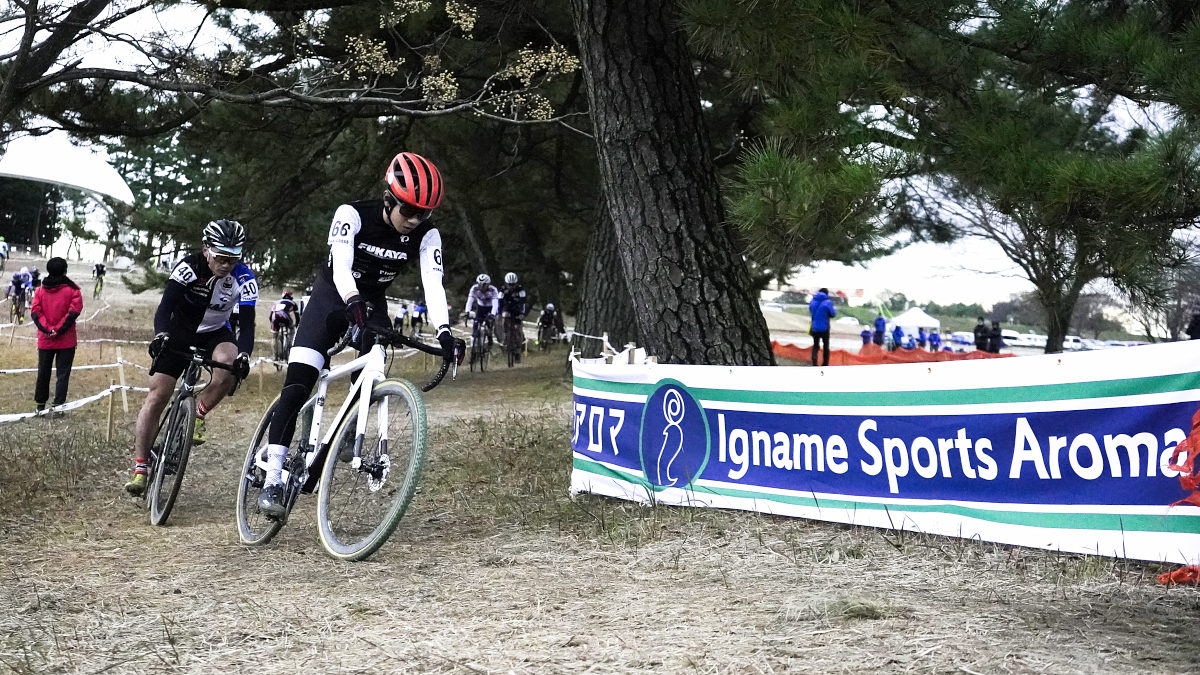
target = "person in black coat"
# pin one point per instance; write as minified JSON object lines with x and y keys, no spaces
{"x":994,"y":339}
{"x":981,"y":335}
{"x":1193,"y":328}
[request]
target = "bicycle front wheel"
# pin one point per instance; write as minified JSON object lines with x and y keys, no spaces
{"x":173,"y":445}
{"x":361,"y":499}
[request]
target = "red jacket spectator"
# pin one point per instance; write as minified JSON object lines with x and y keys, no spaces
{"x":55,"y":308}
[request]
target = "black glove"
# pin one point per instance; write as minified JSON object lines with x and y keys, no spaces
{"x":357,"y":311}
{"x":446,"y":340}
{"x":157,"y":345}
{"x":241,"y":366}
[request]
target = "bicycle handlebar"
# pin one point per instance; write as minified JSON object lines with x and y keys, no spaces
{"x":388,"y":337}
{"x":194,"y":354}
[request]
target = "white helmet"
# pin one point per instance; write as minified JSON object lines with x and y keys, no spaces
{"x":483,"y":280}
{"x":510,"y":278}
{"x":24,"y":270}
{"x":549,"y":306}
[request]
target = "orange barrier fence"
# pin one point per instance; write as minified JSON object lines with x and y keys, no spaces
{"x":872,"y":354}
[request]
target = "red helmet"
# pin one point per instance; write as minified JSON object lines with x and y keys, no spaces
{"x":414,"y":180}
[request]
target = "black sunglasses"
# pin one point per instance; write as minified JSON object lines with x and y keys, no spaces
{"x":410,"y":211}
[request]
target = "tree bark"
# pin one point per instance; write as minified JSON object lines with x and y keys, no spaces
{"x":605,"y":305}
{"x":1059,"y":304}
{"x":481,"y":245}
{"x":691,"y":291}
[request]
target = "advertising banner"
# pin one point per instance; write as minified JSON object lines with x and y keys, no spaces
{"x":1065,"y":452}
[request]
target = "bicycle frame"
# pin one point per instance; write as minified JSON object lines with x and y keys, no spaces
{"x":372,"y":364}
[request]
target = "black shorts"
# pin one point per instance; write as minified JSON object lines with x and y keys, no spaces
{"x":172,"y":362}
{"x":325,"y":322}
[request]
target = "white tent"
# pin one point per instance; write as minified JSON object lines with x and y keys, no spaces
{"x":52,"y":159}
{"x":913,"y":318}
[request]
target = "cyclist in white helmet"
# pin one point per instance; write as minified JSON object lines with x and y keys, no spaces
{"x":514,"y":304}
{"x":551,"y":317}
{"x":484,"y":297}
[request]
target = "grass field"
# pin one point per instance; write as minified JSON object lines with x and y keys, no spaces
{"x":496,"y":569}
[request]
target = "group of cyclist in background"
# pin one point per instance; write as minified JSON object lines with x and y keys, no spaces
{"x":510,"y":303}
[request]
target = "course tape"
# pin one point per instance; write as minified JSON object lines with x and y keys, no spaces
{"x":14,"y":417}
{"x":9,"y":371}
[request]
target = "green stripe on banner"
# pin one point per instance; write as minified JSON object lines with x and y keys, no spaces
{"x":1070,"y":521}
{"x":1156,"y":384}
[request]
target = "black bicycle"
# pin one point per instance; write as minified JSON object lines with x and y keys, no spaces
{"x":481,"y":342}
{"x":173,"y":441}
{"x":514,"y":338}
{"x":547,"y":337}
{"x":284,"y":335}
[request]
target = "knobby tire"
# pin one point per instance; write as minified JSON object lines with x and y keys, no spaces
{"x":358,"y":509}
{"x":254,"y":527}
{"x":174,"y":445}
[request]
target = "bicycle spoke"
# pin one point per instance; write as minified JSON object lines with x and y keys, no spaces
{"x":174,"y":443}
{"x":254,"y":527}
{"x":362,"y":500}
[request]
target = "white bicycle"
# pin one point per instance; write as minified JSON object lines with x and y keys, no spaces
{"x":369,"y":459}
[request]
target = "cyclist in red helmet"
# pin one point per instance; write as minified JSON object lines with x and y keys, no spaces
{"x":370,"y":242}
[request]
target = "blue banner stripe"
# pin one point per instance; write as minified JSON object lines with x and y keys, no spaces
{"x":1072,"y":521}
{"x":1156,"y":384}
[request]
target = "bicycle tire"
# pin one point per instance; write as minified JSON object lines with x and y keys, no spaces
{"x":174,"y":444}
{"x":358,"y":509}
{"x":254,"y":528}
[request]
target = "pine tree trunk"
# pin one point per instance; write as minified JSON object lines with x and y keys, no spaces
{"x":1059,"y":305}
{"x":691,"y":291}
{"x":481,"y":246}
{"x":605,"y":305}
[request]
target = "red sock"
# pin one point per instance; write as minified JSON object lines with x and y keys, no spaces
{"x":140,"y":466}
{"x":201,"y":408}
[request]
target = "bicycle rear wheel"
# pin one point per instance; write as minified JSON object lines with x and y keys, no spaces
{"x":254,"y":527}
{"x":172,"y":447}
{"x":358,"y":508}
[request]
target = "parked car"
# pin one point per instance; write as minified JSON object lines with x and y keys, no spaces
{"x":962,"y":337}
{"x":1072,"y":343}
{"x":772,"y":307}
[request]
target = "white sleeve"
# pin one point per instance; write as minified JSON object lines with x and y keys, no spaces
{"x":470,"y":299}
{"x":346,"y":225}
{"x":431,"y":278}
{"x":496,"y":303}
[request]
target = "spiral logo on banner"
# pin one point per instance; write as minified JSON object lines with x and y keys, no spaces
{"x":674,"y":442}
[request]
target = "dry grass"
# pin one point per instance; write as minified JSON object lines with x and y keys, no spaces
{"x":495,"y":569}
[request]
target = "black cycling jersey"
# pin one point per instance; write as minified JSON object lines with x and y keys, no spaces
{"x":195,"y":301}
{"x":513,"y":299}
{"x":380,"y":252}
{"x":551,"y":318}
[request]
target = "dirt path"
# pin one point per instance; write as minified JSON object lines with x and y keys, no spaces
{"x":494,"y":569}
